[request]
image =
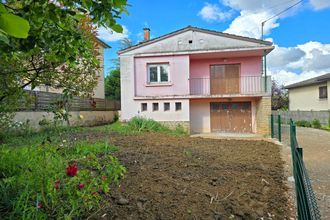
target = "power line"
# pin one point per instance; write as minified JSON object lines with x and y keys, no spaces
{"x":281,"y":12}
{"x":280,"y":4}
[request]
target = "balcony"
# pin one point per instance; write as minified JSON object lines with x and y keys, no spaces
{"x":231,"y":86}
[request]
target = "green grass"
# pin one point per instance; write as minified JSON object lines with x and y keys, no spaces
{"x":31,"y":161}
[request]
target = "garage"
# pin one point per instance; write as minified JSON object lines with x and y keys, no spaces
{"x":231,"y":117}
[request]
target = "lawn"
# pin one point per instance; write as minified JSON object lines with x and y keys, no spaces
{"x":130,"y":172}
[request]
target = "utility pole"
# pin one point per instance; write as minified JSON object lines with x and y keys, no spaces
{"x":264,"y":65}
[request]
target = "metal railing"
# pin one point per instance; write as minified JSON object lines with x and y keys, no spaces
{"x":307,"y":208}
{"x":244,"y":85}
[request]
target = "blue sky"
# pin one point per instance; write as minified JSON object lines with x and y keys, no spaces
{"x":301,"y":36}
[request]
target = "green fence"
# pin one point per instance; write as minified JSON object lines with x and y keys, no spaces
{"x":307,"y":208}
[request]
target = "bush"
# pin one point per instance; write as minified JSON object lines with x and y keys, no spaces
{"x":316,"y":123}
{"x":303,"y":123}
{"x":144,"y":124}
{"x":62,"y":182}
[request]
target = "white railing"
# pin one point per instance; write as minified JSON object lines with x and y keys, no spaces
{"x":245,"y":85}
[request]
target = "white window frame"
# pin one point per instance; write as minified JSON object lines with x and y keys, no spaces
{"x":158,"y":65}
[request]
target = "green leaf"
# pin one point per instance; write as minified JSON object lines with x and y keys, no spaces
{"x":118,"y":28}
{"x":4,"y":38}
{"x":2,"y":8}
{"x":14,"y":25}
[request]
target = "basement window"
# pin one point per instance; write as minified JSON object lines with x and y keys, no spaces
{"x":323,"y":92}
{"x":144,"y":107}
{"x":155,"y":107}
{"x":178,"y":106}
{"x":166,"y":106}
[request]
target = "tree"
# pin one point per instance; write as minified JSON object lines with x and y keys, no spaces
{"x":60,"y":50}
{"x":280,"y":98}
{"x":112,"y":80}
{"x":12,"y":25}
{"x":112,"y":84}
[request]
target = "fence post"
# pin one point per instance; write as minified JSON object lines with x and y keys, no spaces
{"x":272,"y":125}
{"x":300,"y":151}
{"x":279,"y":128}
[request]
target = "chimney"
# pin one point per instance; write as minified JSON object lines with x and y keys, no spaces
{"x":146,"y":34}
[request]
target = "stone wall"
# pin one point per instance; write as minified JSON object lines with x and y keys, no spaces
{"x":323,"y":116}
{"x":263,"y":111}
{"x":83,"y":118}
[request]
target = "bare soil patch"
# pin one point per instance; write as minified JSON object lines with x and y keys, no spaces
{"x":194,"y":178}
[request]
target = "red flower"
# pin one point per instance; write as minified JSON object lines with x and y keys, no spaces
{"x":94,"y":193}
{"x":104,"y":178}
{"x":81,"y":185}
{"x":40,"y":206}
{"x":71,"y":170}
{"x":57,"y":184}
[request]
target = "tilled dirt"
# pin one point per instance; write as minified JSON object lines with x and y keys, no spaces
{"x":193,"y":178}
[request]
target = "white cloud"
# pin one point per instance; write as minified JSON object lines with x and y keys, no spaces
{"x":320,"y":4}
{"x":211,"y":12}
{"x":249,"y":24}
{"x":107,"y":34}
{"x":292,"y":64}
{"x":285,"y":64}
{"x":252,"y":14}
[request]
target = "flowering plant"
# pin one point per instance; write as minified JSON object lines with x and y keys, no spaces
{"x":71,"y":170}
{"x":52,"y":177}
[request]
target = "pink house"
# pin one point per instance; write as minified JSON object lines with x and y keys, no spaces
{"x":205,"y":80}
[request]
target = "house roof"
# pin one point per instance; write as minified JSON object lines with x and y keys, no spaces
{"x":105,"y":45}
{"x":190,"y":28}
{"x":312,"y":81}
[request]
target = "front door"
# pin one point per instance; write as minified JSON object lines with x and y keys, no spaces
{"x":224,"y":79}
{"x":231,"y":117}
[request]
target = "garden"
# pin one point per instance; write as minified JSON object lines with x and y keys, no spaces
{"x":138,"y":170}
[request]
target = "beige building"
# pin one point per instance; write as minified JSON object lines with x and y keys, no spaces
{"x":99,"y":89}
{"x":310,"y":95}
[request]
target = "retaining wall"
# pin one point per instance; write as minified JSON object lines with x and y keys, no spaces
{"x":83,"y":118}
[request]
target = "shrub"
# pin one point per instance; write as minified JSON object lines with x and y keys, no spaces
{"x":303,"y":123}
{"x":144,"y":124}
{"x":62,"y":182}
{"x":316,"y":123}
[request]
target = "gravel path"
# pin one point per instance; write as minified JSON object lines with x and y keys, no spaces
{"x":316,"y":153}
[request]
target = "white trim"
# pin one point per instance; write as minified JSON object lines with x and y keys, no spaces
{"x":166,"y":66}
{"x":268,"y":48}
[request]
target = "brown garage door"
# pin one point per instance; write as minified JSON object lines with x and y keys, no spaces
{"x":231,"y":117}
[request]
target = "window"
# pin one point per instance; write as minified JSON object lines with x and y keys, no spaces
{"x":166,"y":106}
{"x":144,"y":107}
{"x":158,"y":73}
{"x":178,"y":106}
{"x":154,"y":107}
{"x":323,"y":92}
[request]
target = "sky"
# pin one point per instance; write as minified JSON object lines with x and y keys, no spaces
{"x":301,"y":35}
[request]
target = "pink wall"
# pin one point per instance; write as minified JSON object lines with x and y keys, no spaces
{"x":250,"y":66}
{"x":179,"y":74}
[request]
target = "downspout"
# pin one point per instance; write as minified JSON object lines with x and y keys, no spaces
{"x":265,"y":70}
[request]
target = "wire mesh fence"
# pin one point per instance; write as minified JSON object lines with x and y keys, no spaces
{"x":285,"y":131}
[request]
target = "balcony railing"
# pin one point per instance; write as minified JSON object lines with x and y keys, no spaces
{"x":245,"y":85}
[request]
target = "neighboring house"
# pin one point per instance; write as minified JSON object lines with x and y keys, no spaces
{"x":99,"y":89}
{"x":311,"y":94}
{"x":205,"y":80}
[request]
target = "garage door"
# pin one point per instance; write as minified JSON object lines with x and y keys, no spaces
{"x":231,"y":117}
